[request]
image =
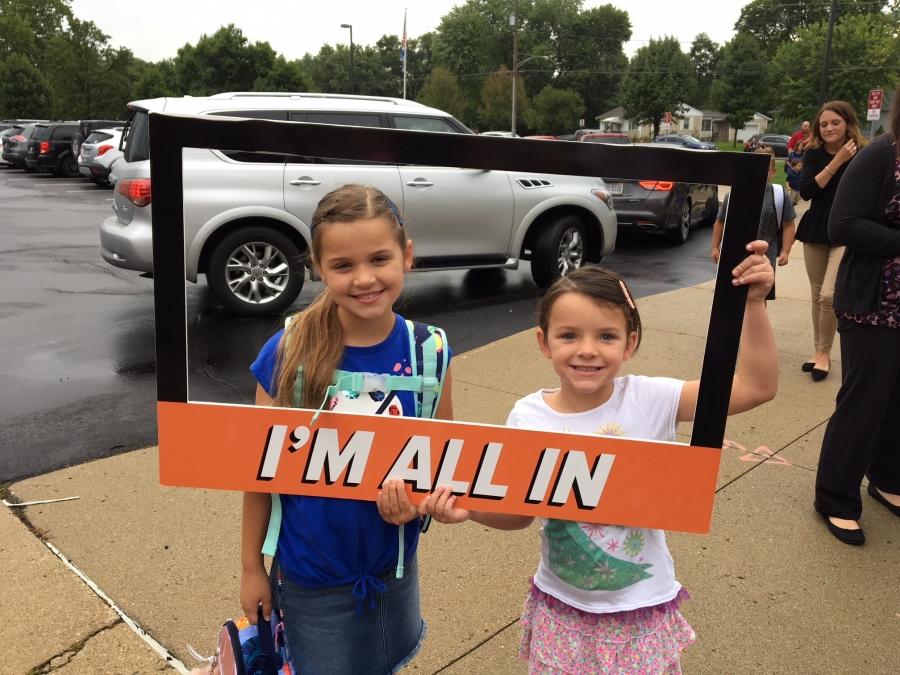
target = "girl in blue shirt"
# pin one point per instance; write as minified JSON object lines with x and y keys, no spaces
{"x":345,"y":612}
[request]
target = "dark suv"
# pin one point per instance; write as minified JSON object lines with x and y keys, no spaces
{"x":15,"y":145}
{"x":50,"y":149}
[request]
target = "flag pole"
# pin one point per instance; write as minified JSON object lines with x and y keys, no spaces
{"x":403,"y":54}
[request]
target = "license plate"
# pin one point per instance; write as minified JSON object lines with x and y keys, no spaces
{"x":614,"y":188}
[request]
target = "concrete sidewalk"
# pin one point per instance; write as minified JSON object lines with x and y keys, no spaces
{"x":773,"y":592}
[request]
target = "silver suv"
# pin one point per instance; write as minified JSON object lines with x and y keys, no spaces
{"x":246,"y":214}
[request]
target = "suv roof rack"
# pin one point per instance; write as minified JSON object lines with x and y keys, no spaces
{"x":257,"y":94}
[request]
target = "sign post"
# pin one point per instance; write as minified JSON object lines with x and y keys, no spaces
{"x":667,"y":122}
{"x":875,"y":98}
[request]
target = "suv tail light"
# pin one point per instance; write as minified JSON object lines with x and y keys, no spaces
{"x":103,"y":148}
{"x":18,"y":137}
{"x":135,"y":190}
{"x":45,"y":147}
{"x":661,"y":185}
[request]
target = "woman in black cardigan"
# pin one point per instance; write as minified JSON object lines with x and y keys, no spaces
{"x":834,"y":141}
{"x":863,"y":435}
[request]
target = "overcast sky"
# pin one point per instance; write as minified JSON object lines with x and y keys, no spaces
{"x":155,"y":29}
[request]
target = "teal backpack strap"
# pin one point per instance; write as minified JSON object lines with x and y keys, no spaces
{"x":270,"y":545}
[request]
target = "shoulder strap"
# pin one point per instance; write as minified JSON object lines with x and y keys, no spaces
{"x":429,"y":357}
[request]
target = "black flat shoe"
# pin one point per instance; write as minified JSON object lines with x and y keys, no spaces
{"x":852,"y":537}
{"x":808,"y":366}
{"x":818,"y":374}
{"x":878,"y":497}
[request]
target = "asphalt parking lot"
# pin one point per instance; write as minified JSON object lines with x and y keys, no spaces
{"x":77,"y":369}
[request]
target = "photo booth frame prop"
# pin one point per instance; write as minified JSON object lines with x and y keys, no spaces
{"x":237,"y":447}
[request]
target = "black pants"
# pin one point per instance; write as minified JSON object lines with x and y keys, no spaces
{"x":863,"y":435}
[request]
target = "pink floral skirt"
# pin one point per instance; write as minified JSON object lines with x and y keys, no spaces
{"x":558,"y":639}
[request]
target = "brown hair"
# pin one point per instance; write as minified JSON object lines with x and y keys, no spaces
{"x":846,"y":112}
{"x":314,"y":338}
{"x":767,"y":151}
{"x":601,"y":285}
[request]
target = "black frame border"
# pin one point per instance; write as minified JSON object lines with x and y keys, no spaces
{"x":747,"y":174}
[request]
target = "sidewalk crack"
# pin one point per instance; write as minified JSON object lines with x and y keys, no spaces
{"x":65,"y":656}
{"x":480,"y":644}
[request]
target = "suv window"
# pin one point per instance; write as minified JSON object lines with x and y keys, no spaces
{"x":40,"y":133}
{"x":277,"y":115}
{"x":63,"y":133}
{"x":97,"y":136}
{"x":137,"y":142}
{"x":423,"y":124}
{"x":348,"y":119}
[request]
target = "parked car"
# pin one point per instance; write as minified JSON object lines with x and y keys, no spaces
{"x":506,"y":134}
{"x":663,"y":207}
{"x":777,"y":142}
{"x":9,"y":131}
{"x":15,"y":147}
{"x":542,"y":138}
{"x":98,"y":153}
{"x":685,"y":141}
{"x":50,"y":149}
{"x":86,"y":127}
{"x":611,"y":137}
{"x":581,"y":132}
{"x":238,"y":205}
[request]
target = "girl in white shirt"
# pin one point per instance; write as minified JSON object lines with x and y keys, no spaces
{"x":605,"y":598}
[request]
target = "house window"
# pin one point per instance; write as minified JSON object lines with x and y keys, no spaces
{"x":685,"y":123}
{"x":706,"y":125}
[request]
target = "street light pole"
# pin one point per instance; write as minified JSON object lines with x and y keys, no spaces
{"x":347,"y":25}
{"x":514,"y":19}
{"x":823,"y":85}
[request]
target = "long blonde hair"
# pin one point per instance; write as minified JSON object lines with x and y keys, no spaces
{"x":314,"y":338}
{"x":845,"y":111}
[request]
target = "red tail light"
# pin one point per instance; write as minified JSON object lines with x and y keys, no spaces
{"x":135,"y":190}
{"x":20,"y":138}
{"x":45,"y":147}
{"x":105,"y":148}
{"x":661,"y":185}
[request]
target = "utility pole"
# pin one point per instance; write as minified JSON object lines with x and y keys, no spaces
{"x":514,"y":20}
{"x":347,"y":25}
{"x":823,"y":86}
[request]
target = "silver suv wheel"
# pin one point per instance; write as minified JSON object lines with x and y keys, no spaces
{"x":571,"y":251}
{"x":254,"y":271}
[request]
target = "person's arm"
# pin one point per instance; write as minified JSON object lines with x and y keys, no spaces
{"x":257,"y":507}
{"x":809,"y":187}
{"x":445,"y":407}
{"x":829,"y":171}
{"x":718,"y":230}
{"x":440,"y":505}
{"x":788,"y":231}
{"x":852,"y":219}
{"x":756,"y":381}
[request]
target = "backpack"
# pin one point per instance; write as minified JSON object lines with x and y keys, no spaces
{"x":247,"y":649}
{"x":429,"y":365}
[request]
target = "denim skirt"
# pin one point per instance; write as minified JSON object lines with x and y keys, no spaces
{"x":332,"y":631}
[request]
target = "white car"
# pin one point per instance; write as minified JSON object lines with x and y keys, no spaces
{"x":98,"y":153}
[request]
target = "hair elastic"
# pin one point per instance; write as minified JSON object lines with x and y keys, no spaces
{"x":627,"y":295}
{"x":394,"y":209}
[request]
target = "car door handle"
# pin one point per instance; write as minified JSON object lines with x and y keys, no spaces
{"x":419,"y":182}
{"x":305,"y":181}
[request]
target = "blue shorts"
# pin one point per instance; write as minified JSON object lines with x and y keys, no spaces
{"x":326,"y":637}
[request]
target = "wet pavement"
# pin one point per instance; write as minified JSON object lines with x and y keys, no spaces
{"x":77,"y":366}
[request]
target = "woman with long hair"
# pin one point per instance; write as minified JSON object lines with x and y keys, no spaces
{"x":834,"y":142}
{"x":862,"y":436}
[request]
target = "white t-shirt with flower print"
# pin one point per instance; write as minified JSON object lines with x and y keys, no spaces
{"x":607,"y":568}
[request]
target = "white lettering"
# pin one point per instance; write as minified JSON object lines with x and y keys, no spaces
{"x":414,"y":464}
{"x":327,"y":455}
{"x":574,"y":475}
{"x":268,"y":465}
{"x":485,"y":474}
{"x":542,"y":475}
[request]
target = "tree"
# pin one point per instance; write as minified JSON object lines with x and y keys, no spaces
{"x":706,"y":55}
{"x":495,"y":112}
{"x":555,"y":111}
{"x":223,"y":61}
{"x":23,"y":90}
{"x":865,"y":55}
{"x":741,"y":86}
{"x":154,"y":80}
{"x":87,"y":77}
{"x":284,"y":76}
{"x":660,"y":78}
{"x":777,"y":22}
{"x":442,"y":91}
{"x":27,"y":25}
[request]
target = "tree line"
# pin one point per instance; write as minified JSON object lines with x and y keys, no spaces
{"x":573,"y":64}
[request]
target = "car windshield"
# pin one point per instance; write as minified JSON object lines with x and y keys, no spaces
{"x":691,"y":139}
{"x":617,"y":140}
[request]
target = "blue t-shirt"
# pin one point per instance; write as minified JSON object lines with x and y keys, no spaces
{"x":327,"y":542}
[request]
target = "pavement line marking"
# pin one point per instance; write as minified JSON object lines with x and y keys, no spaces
{"x":42,"y":501}
{"x":154,"y":645}
{"x":83,"y":190}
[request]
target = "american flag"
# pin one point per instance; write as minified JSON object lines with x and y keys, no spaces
{"x":403,"y":41}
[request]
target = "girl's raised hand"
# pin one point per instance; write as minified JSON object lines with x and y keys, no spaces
{"x":439,"y":505}
{"x":393,"y":503}
{"x":756,"y":271}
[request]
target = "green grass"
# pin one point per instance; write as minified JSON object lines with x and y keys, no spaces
{"x":780,"y":176}
{"x":729,"y":146}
